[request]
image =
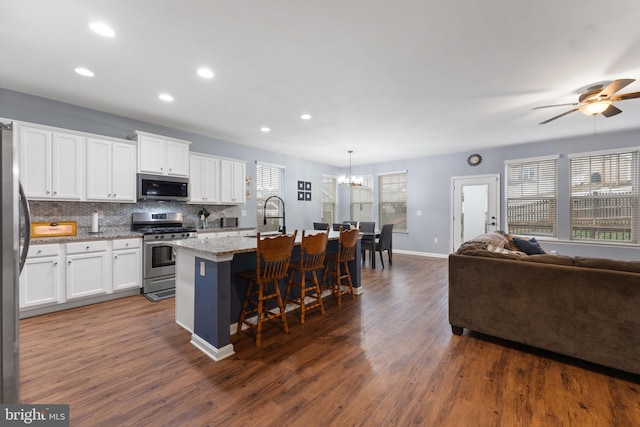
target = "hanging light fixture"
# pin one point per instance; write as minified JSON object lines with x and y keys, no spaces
{"x":351,"y":179}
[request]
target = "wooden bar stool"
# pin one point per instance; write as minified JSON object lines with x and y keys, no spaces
{"x":346,"y":252}
{"x":272,"y":263}
{"x":312,"y":253}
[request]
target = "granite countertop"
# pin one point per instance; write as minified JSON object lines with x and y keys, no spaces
{"x":235,"y":244}
{"x":83,"y":236}
{"x":112,"y":234}
{"x":222,"y":229}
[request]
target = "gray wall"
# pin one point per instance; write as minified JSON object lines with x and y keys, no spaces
{"x":300,"y":214}
{"x":429,"y":181}
{"x":429,"y":177}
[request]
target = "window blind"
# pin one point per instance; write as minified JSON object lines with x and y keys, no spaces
{"x":604,"y":197}
{"x":532,"y":200}
{"x":392,"y":197}
{"x":328,"y":199}
{"x":269,"y":182}
{"x":361,"y":200}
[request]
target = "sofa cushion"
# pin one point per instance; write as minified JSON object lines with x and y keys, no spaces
{"x":528,"y":246}
{"x":550,"y":259}
{"x":512,"y":244}
{"x":607,"y":264}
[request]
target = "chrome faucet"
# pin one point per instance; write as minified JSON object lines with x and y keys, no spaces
{"x":282,"y":229}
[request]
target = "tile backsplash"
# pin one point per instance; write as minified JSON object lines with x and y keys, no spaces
{"x":117,"y":216}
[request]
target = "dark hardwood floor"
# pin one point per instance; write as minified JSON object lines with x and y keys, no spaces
{"x":386,"y":358}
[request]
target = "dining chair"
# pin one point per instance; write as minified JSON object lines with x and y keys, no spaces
{"x":334,"y":278}
{"x":273,"y":256}
{"x":320,"y":225}
{"x":312,"y":252}
{"x":385,"y":242}
{"x":368,"y":241}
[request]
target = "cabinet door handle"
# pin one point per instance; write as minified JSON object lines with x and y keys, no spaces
{"x":88,"y":247}
{"x":115,"y":257}
{"x":69,"y":262}
{"x":48,"y":192}
{"x":55,"y":263}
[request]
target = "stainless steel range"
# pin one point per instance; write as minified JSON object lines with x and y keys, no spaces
{"x":159,"y":268}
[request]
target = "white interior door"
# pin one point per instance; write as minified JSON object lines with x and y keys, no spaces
{"x":476,"y":207}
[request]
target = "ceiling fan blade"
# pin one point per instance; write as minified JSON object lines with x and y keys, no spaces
{"x":558,"y":116}
{"x":615,"y":86}
{"x":624,"y":96}
{"x":554,"y":105}
{"x":611,"y":110}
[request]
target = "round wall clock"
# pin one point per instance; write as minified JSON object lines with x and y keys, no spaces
{"x":474,"y":160}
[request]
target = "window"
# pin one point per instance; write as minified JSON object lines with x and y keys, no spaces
{"x":269,"y":182}
{"x":532,"y":196}
{"x":392,"y":196}
{"x":604,"y":196}
{"x":361,"y":200}
{"x":328,"y":199}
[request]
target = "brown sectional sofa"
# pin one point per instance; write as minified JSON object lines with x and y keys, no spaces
{"x":586,"y":308}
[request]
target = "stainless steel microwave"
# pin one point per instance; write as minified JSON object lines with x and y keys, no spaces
{"x":165,"y":188}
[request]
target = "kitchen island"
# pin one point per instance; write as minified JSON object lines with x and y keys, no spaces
{"x":209,"y":293}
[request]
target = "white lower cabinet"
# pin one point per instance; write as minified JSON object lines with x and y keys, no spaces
{"x":88,"y":269}
{"x":127,"y":264}
{"x":40,"y":279}
{"x":55,"y":274}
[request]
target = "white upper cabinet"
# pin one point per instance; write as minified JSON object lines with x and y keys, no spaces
{"x":111,"y":170}
{"x":204,"y":179}
{"x":162,"y":155}
{"x":232,"y":181}
{"x":216,"y":180}
{"x":51,"y":163}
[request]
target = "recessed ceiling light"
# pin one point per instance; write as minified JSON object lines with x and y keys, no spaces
{"x":265,"y":129}
{"x":305,"y":116}
{"x":166,"y":97}
{"x":205,"y":73}
{"x":84,"y":72}
{"x":102,"y":29}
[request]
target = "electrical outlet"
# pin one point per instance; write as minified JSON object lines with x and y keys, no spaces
{"x":419,"y":213}
{"x":202,"y":268}
{"x":435,"y":240}
{"x":244,"y":212}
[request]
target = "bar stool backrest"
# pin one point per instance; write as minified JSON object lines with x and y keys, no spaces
{"x":313,"y":249}
{"x":347,"y":244}
{"x":273,"y":256}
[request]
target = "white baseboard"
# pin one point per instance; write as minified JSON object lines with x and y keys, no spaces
{"x":427,"y":254}
{"x":217,"y":354}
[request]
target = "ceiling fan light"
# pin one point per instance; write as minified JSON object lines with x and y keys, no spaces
{"x":594,"y":108}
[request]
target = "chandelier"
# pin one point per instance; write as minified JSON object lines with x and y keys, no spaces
{"x":350,"y":179}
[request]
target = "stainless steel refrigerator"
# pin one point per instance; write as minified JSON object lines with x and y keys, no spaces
{"x":14,"y":205}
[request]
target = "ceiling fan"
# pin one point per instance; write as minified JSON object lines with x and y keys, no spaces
{"x":597,"y":100}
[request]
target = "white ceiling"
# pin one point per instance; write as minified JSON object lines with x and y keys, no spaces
{"x":387,"y":79}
